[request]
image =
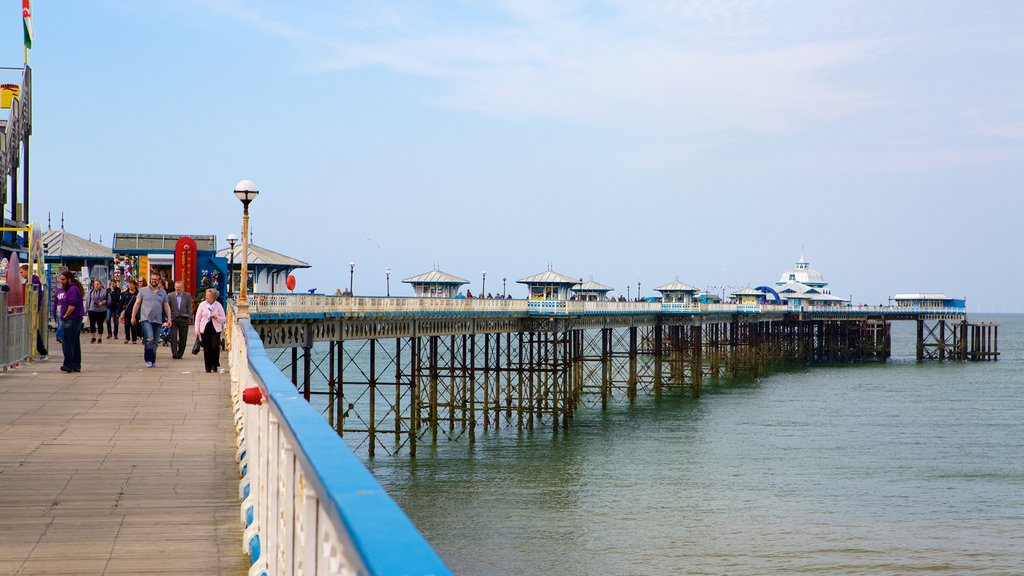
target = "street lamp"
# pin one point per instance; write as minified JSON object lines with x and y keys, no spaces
{"x":387,"y":273}
{"x":638,"y":290}
{"x":504,"y":294}
{"x":351,"y":274}
{"x":483,"y":283}
{"x":231,"y":266}
{"x":246,"y":192}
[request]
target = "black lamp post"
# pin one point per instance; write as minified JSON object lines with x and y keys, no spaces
{"x":504,"y":294}
{"x":483,"y":283}
{"x":387,"y":273}
{"x":351,"y":275}
{"x":231,"y":265}
{"x":246,"y":192}
{"x":638,"y":290}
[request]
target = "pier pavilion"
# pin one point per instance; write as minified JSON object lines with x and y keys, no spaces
{"x":435,"y":284}
{"x":918,"y":299}
{"x":267,"y":271}
{"x":804,"y":274}
{"x":548,"y":285}
{"x":591,"y":291}
{"x":677,"y":292}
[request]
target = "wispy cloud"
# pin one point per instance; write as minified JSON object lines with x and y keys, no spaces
{"x":695,"y":69}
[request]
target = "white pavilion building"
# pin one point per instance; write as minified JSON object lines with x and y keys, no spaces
{"x":803,"y":285}
{"x":435,"y":284}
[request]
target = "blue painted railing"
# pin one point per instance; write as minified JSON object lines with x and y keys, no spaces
{"x":310,"y":505}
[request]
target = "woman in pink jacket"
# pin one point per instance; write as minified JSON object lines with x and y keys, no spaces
{"x":210,"y":319}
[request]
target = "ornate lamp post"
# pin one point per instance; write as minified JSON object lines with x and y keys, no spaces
{"x":638,"y":291}
{"x":483,"y":283}
{"x":231,"y":265}
{"x":246,"y":192}
{"x":351,"y":275}
{"x":387,"y":274}
{"x":504,"y":294}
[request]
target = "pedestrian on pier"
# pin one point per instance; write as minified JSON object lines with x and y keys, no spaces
{"x":131,"y":332}
{"x":73,"y":313}
{"x":181,"y":313}
{"x":97,"y":306}
{"x":210,"y":319}
{"x":113,"y":309}
{"x":153,"y":313}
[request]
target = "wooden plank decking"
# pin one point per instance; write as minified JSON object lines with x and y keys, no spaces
{"x":119,"y":469}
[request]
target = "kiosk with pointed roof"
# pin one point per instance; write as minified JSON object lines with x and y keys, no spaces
{"x":435,"y":284}
{"x":748,"y":296}
{"x":591,"y":291}
{"x":268,"y":270}
{"x":548,"y":285}
{"x":677,"y":292}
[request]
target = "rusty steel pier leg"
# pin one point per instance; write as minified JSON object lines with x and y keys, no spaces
{"x":342,"y":406}
{"x":472,"y":388}
{"x":414,"y":391}
{"x":696,"y":360}
{"x":657,"y":359}
{"x":372,"y":432}
{"x":432,"y":415}
{"x":398,"y":390}
{"x":631,"y":383}
{"x":520,"y":390}
{"x":331,"y":383}
{"x":487,"y":381}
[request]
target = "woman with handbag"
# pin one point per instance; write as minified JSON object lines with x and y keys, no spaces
{"x":210,"y":319}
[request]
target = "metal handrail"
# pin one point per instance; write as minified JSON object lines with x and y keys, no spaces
{"x":310,"y":506}
{"x":363,"y":305}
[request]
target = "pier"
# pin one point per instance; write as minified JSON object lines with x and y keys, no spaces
{"x":420,"y":369}
{"x":118,"y":469}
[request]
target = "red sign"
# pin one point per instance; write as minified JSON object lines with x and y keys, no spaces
{"x":185,"y":263}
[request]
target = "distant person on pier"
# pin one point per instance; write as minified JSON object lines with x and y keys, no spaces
{"x":469,"y":294}
{"x":37,"y":286}
{"x":181,"y":313}
{"x":154,"y":312}
{"x":113,"y":309}
{"x":131,"y":332}
{"x":96,"y":304}
{"x":74,"y":311}
{"x":210,"y":319}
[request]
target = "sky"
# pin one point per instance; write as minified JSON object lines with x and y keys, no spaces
{"x":620,"y":140}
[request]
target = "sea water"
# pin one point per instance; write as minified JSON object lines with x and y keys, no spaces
{"x":890,"y":468}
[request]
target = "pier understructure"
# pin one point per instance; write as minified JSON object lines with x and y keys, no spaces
{"x":390,"y":380}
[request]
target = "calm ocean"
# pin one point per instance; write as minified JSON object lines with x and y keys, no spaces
{"x":893,"y":468}
{"x":879,"y":469}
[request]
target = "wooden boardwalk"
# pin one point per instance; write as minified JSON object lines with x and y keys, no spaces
{"x":119,"y":469}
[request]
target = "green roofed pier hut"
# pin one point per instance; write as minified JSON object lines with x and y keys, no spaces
{"x":435,"y":284}
{"x":591,"y":291}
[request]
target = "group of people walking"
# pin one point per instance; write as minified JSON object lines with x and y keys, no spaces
{"x":144,"y":308}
